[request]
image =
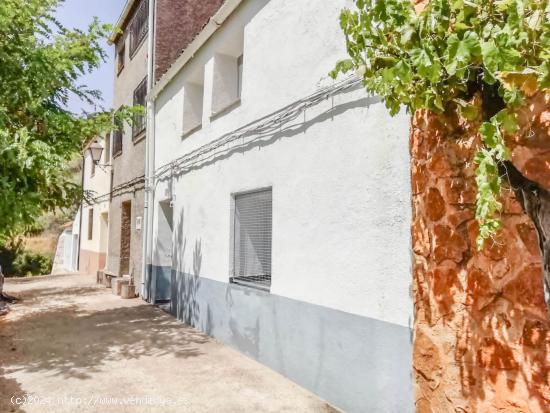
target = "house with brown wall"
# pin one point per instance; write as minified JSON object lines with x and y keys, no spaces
{"x":128,"y":144}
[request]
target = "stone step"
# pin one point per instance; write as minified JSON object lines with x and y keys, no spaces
{"x":128,"y":291}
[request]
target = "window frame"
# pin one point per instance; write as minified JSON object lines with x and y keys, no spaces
{"x":141,"y":12}
{"x":229,"y":103}
{"x":118,"y":135}
{"x":193,"y":98}
{"x":121,"y":58}
{"x":234,"y":278}
{"x":107,"y":151}
{"x":137,"y":132}
{"x":240,"y":66}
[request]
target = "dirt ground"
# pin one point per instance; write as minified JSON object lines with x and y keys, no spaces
{"x":71,"y":345}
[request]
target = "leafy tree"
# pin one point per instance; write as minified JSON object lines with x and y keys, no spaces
{"x":477,"y":58}
{"x":40,"y":65}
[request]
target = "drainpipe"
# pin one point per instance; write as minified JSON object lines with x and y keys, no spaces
{"x":149,"y":154}
{"x":81,"y":213}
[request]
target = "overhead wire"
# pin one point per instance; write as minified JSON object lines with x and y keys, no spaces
{"x":263,"y":128}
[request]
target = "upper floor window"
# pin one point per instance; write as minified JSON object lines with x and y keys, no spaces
{"x":107,"y":148}
{"x":139,"y":27}
{"x":121,"y":57}
{"x":239,"y":75}
{"x":139,"y":123}
{"x":117,"y":137}
{"x":228,"y":75}
{"x":193,"y":96}
{"x":92,"y":166}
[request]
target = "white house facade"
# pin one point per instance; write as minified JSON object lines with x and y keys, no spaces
{"x":68,"y":248}
{"x":94,"y":219}
{"x":279,"y":208}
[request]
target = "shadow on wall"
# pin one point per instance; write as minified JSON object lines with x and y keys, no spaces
{"x":185,"y":282}
{"x":269,"y":135}
{"x":187,"y":307}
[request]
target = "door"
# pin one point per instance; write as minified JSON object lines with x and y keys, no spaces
{"x":163,"y":253}
{"x":125,"y":237}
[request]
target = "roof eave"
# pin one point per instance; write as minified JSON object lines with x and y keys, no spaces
{"x":115,"y":34}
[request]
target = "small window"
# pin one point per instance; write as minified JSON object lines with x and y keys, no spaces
{"x":239,"y":75}
{"x":92,"y":166}
{"x":192,"y":107}
{"x":121,"y":57}
{"x":226,"y":88}
{"x":252,"y":228}
{"x":107,"y":148}
{"x":90,"y":224}
{"x":117,"y":137}
{"x":138,"y":124}
{"x":139,"y":27}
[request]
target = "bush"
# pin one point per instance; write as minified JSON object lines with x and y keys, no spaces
{"x":30,"y":263}
{"x":16,"y":262}
{"x":8,"y":254}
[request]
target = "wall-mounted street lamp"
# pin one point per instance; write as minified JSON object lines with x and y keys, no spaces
{"x":96,"y":150}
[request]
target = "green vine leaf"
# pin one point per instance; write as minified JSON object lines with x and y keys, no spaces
{"x":440,"y":58}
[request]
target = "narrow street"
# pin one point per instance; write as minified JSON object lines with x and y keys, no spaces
{"x":70,"y":345}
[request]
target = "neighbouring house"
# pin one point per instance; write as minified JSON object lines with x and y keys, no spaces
{"x":68,"y":248}
{"x":278,"y":211}
{"x":94,"y":210}
{"x":128,"y":144}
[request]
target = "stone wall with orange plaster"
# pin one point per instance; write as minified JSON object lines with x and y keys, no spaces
{"x":482,"y":341}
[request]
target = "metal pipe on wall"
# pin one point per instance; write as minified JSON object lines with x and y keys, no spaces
{"x":149,"y":155}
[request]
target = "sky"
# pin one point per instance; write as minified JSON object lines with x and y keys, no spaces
{"x":79,"y":14}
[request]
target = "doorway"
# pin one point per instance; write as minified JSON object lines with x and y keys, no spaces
{"x":103,"y":238}
{"x":164,"y":252}
{"x":125,"y":237}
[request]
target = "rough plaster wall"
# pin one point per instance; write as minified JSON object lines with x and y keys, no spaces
{"x":92,"y":258}
{"x":177,"y":24}
{"x":482,"y":341}
{"x":130,"y":164}
{"x":91,"y":262}
{"x":98,"y":183}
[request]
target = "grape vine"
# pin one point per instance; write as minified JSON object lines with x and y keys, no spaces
{"x":440,"y":58}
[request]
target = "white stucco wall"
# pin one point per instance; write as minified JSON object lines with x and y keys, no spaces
{"x":341,"y":194}
{"x":99,"y":184}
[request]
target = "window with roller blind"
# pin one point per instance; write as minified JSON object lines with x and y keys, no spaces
{"x":251,"y":243}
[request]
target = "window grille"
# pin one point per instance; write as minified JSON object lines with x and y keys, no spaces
{"x":139,"y":27}
{"x":117,"y":137}
{"x":138,"y":124}
{"x":90,"y":223}
{"x":252,"y":239}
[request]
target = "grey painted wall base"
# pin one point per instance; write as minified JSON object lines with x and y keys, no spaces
{"x":356,"y":363}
